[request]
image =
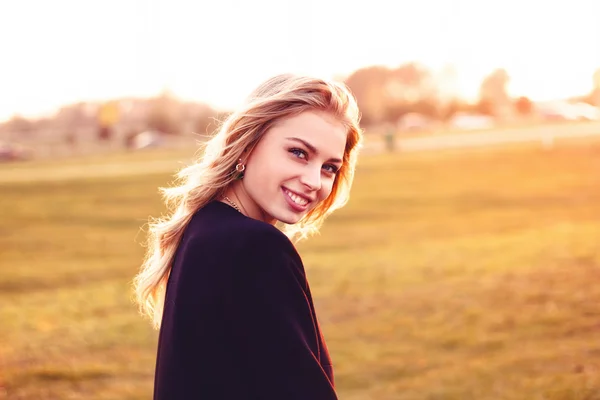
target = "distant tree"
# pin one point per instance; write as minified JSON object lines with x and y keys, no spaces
{"x":524,"y":106}
{"x":368,"y":84}
{"x":19,"y":125}
{"x":76,"y":116}
{"x":448,"y":110}
{"x":493,"y":92}
{"x":204,"y":124}
{"x":160,"y":120}
{"x":425,"y":106}
{"x":412,"y":83}
{"x":129,"y":138}
{"x":486,"y":107}
{"x":162,"y":116}
{"x":108,"y":115}
{"x":202,"y":118}
{"x":394,"y":111}
{"x":385,"y":94}
{"x":70,"y":140}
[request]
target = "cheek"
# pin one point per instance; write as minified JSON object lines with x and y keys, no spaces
{"x":326,"y":188}
{"x":265,"y":175}
{"x":260,"y":164}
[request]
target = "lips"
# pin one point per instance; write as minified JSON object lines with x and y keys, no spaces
{"x":297,"y":201}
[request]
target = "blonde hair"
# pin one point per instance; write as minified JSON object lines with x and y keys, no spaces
{"x":206,"y":180}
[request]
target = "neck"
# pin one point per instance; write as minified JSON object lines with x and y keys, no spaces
{"x":237,"y":193}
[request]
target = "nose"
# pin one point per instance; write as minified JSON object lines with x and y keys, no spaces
{"x":311,"y":178}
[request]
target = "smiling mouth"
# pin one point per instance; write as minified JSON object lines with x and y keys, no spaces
{"x":298,"y":200}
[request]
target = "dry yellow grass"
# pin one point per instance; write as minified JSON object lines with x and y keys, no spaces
{"x":454,"y":276}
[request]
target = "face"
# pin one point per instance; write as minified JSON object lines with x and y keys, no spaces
{"x":293,"y":167}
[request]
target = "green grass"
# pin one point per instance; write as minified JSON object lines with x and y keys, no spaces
{"x":448,"y":276}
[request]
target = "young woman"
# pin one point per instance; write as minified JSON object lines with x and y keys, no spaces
{"x":222,"y":279}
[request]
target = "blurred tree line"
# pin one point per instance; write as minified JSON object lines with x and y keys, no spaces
{"x":387,"y":94}
{"x":117,"y":120}
{"x":169,"y":115}
{"x":384,"y":95}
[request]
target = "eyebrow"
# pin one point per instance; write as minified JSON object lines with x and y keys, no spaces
{"x":312,"y":148}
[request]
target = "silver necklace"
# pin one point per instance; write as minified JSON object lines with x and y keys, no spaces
{"x":232,"y":204}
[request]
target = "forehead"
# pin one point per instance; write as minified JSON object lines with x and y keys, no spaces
{"x":321,"y":130}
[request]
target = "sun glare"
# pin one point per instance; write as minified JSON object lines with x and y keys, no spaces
{"x":71,"y":51}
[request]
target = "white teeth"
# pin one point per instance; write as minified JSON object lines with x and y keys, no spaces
{"x":297,"y":199}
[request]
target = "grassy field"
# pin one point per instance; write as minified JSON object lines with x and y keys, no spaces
{"x":448,"y":276}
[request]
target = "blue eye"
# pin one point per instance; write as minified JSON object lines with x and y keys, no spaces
{"x":299,"y":153}
{"x":332,"y":169}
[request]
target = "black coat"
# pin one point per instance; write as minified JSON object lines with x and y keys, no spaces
{"x":239,"y":321}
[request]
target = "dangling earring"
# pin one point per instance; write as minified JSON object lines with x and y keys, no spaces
{"x":240,"y":170}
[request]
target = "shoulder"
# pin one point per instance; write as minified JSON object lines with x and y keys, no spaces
{"x":266,"y":261}
{"x":265,"y":241}
{"x":265,"y":253}
{"x":219,"y":227}
{"x":254,"y":254}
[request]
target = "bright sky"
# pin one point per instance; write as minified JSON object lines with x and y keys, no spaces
{"x":62,"y":51}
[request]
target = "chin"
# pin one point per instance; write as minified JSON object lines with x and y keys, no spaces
{"x":289,"y":218}
{"x":286,"y":218}
{"x":289,"y":221}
